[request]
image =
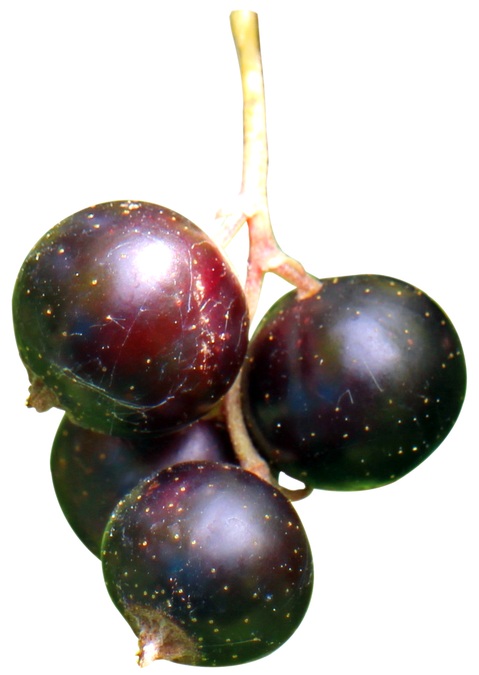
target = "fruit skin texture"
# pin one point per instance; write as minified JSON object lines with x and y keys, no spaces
{"x":129,"y":317}
{"x":92,"y":472}
{"x":209,"y":565}
{"x":353,"y":388}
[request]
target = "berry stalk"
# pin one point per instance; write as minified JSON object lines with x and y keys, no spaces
{"x":252,"y":208}
{"x":252,"y":202}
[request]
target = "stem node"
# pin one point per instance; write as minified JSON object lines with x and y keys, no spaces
{"x":251,"y":206}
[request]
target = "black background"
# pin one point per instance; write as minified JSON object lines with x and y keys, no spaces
{"x":366,"y":129}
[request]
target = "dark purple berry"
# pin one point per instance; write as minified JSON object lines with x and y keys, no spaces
{"x":354,"y":387}
{"x":209,"y":565}
{"x":129,"y":318}
{"x":91,"y":471}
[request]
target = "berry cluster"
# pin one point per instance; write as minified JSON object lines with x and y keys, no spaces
{"x":129,"y":318}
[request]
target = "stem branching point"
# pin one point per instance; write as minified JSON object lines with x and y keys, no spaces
{"x":251,"y":207}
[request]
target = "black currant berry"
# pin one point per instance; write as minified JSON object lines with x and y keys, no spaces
{"x":354,"y":387}
{"x":91,"y":471}
{"x":209,"y":565}
{"x":129,"y":317}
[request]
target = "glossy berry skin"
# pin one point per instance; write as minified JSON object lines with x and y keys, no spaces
{"x":351,"y":389}
{"x":92,"y":472}
{"x":209,"y":565}
{"x":129,"y":317}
